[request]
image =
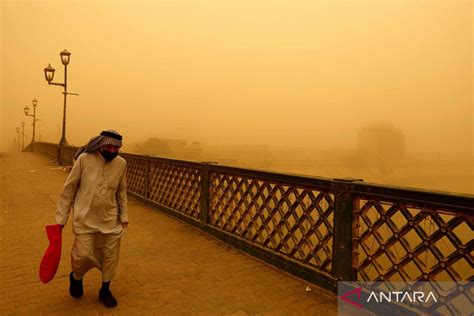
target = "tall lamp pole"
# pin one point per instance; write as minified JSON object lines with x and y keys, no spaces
{"x":23,"y":136}
{"x":49,"y":75}
{"x":34,"y":102}
{"x":18,"y":137}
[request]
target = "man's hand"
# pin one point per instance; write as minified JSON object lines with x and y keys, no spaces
{"x":124,"y":224}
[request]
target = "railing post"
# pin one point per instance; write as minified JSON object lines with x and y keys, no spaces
{"x":59,"y":154}
{"x":146,"y":194}
{"x":205,"y":193}
{"x":342,"y":264}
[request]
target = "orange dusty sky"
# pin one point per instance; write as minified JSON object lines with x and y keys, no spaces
{"x":303,"y":73}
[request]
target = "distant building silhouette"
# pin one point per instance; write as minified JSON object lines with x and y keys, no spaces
{"x":172,"y":148}
{"x":243,"y":155}
{"x":381,"y":145}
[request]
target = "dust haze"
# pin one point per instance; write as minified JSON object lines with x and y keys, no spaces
{"x":376,"y":90}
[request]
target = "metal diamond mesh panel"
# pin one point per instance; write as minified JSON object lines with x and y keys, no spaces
{"x":398,"y":242}
{"x":176,"y":186}
{"x":67,"y":155}
{"x":292,"y":220}
{"x":51,"y":150}
{"x":136,"y":168}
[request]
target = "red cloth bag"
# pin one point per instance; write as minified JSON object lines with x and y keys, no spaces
{"x":50,"y":262}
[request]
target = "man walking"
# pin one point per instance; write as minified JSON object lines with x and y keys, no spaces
{"x":96,"y":190}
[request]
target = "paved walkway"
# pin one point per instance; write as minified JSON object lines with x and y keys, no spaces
{"x":166,"y":268}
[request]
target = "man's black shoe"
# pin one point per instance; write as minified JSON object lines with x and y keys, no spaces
{"x":75,"y":287}
{"x":107,"y":298}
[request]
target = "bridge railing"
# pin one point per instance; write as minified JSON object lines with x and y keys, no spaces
{"x":412,"y":235}
{"x":49,"y":149}
{"x":320,"y":229}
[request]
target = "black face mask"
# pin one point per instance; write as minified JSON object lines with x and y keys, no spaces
{"x":108,"y":155}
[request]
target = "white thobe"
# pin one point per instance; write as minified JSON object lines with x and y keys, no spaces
{"x":97,"y":192}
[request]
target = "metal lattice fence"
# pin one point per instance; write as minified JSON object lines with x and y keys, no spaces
{"x":295,"y":221}
{"x":136,"y":172}
{"x":176,"y":186}
{"x":48,"y":149}
{"x":398,"y":242}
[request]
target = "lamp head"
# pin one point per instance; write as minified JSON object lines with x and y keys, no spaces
{"x":49,"y":73}
{"x":65,"y":55}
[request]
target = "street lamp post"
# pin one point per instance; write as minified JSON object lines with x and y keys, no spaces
{"x":34,"y":102}
{"x":49,"y":75}
{"x":18,"y":137}
{"x":23,"y":136}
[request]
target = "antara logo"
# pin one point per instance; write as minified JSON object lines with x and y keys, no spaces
{"x":402,"y":297}
{"x":395,"y":296}
{"x":356,"y":291}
